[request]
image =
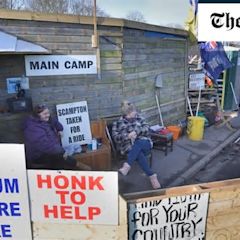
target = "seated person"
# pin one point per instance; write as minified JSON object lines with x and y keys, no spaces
{"x":42,"y":141}
{"x":131,"y":133}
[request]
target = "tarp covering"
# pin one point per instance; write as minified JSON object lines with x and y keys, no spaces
{"x":11,"y":44}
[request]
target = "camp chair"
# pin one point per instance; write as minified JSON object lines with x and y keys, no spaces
{"x":116,"y":153}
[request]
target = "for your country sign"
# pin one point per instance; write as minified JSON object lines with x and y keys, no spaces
{"x":182,"y":217}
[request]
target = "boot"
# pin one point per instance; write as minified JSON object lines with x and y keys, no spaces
{"x":125,"y":169}
{"x":154,"y":181}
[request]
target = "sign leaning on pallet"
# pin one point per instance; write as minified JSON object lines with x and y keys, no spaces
{"x":180,"y":217}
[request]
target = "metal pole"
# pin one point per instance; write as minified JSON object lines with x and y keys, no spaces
{"x":199,"y":99}
{"x":189,"y":106}
{"x":159,"y":110}
{"x":234,"y":95}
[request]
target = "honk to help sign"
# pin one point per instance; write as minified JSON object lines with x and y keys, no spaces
{"x":74,"y":197}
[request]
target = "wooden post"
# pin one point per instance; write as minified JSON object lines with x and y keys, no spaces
{"x":94,"y":37}
{"x":95,"y":43}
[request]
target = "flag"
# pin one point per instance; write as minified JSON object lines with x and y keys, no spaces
{"x":214,"y":59}
{"x":191,"y":21}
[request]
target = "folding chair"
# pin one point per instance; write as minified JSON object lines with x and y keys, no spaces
{"x":116,"y":153}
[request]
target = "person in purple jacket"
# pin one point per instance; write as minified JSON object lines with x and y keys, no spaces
{"x":42,"y":141}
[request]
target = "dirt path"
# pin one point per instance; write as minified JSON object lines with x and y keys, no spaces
{"x":226,"y":165}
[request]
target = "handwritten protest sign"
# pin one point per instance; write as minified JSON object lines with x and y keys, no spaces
{"x":74,"y":197}
{"x":14,"y":205}
{"x":182,"y":217}
{"x":75,"y":120}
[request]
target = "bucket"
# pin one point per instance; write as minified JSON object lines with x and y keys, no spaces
{"x":195,"y":128}
{"x":175,"y":130}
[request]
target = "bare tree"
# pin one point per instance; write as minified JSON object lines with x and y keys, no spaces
{"x":85,"y":8}
{"x":78,"y":7}
{"x":49,"y":6}
{"x":135,"y":16}
{"x":12,"y":4}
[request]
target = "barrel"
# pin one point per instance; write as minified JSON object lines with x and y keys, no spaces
{"x":195,"y":128}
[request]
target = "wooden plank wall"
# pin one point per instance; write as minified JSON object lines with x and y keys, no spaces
{"x":67,"y":38}
{"x":223,"y":219}
{"x":145,"y":56}
{"x":129,"y":63}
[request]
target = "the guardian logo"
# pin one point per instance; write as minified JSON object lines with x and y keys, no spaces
{"x":219,"y":22}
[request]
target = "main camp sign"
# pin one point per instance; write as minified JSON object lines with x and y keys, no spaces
{"x":45,"y":65}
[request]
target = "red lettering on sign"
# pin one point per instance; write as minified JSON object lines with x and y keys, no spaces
{"x":75,"y":197}
{"x":48,"y":211}
{"x":41,"y":181}
{"x":95,"y":182}
{"x":73,"y":182}
{"x":61,"y":182}
{"x":70,"y":212}
{"x":62,"y":196}
{"x":78,"y":215}
{"x":78,"y":182}
{"x":78,"y":197}
{"x":92,"y":211}
{"x":66,"y":212}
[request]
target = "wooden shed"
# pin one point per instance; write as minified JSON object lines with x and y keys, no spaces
{"x":130,"y":57}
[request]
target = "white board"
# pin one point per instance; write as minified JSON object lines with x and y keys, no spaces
{"x":76,"y":125}
{"x":197,"y":81}
{"x":14,"y":204}
{"x":74,"y":197}
{"x":49,"y":65}
{"x":181,"y":217}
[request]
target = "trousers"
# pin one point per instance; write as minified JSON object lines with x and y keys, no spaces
{"x":140,"y":149}
{"x":55,"y":162}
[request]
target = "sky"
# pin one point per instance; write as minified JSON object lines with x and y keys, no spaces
{"x":157,"y":12}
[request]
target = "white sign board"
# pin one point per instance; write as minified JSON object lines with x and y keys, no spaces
{"x":14,"y":204}
{"x":46,"y":65}
{"x":12,"y":82}
{"x":75,"y":120}
{"x":181,"y":217}
{"x":74,"y":197}
{"x":197,"y":81}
